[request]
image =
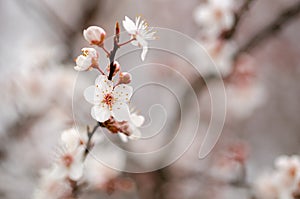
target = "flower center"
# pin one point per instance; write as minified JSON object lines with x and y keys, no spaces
{"x":108,"y":99}
{"x":67,"y":160}
{"x":85,"y":53}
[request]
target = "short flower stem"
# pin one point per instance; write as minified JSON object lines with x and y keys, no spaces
{"x":127,"y":42}
{"x":270,"y":30}
{"x":105,"y":50}
{"x":100,"y":70}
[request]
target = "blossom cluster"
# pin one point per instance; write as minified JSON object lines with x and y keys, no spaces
{"x":218,"y":22}
{"x":110,"y":101}
{"x":283,"y":182}
{"x":73,"y":168}
{"x":214,"y":18}
{"x":58,"y":181}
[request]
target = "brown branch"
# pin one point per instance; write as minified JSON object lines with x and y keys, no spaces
{"x":283,"y":19}
{"x":90,"y":135}
{"x":113,"y":52}
{"x":228,"y":34}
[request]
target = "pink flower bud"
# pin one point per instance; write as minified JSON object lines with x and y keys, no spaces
{"x":125,"y":78}
{"x":94,"y":35}
{"x":117,"y":68}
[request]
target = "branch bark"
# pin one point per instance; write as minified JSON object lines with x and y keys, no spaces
{"x":271,"y":30}
{"x":237,"y":18}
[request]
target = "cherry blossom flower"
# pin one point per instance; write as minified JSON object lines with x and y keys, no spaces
{"x":94,"y":35}
{"x":87,"y":60}
{"x":70,"y":163}
{"x":214,"y":17}
{"x":140,"y":32}
{"x":108,"y":100}
{"x":282,"y":182}
{"x":72,"y":139}
{"x":222,"y":54}
{"x":52,"y":185}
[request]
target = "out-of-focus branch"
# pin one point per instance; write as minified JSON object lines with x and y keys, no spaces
{"x":228,"y":34}
{"x":283,"y":19}
{"x":41,"y":10}
{"x":90,"y":135}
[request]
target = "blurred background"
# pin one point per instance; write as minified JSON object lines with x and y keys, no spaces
{"x":41,"y":38}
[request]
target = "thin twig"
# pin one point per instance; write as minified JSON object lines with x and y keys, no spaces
{"x":105,"y":50}
{"x":113,"y":52}
{"x":283,"y":19}
{"x":228,"y":34}
{"x":100,"y":70}
{"x":127,"y":42}
{"x":90,"y":135}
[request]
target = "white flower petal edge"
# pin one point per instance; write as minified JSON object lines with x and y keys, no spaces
{"x":129,"y":25}
{"x":100,"y":113}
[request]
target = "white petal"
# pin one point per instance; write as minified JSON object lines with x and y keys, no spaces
{"x":144,"y":52}
{"x":93,"y":95}
{"x":123,"y":137}
{"x":71,"y":139}
{"x":141,"y":41}
{"x":137,"y":120}
{"x":103,"y":84}
{"x":76,"y":171}
{"x":59,"y":171}
{"x":76,"y":168}
{"x":83,"y":63}
{"x":100,"y":113}
{"x":137,"y":21}
{"x":79,"y":68}
{"x":120,"y":111}
{"x":122,"y":93}
{"x":150,"y":36}
{"x":129,"y":25}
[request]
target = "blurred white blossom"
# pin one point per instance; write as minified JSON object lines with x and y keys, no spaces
{"x":282,"y":182}
{"x":214,"y":16}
